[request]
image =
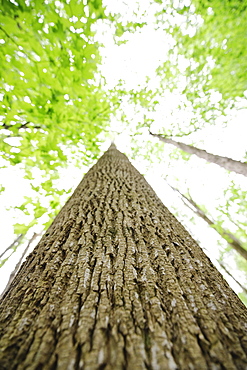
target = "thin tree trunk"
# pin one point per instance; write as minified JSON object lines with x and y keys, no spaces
{"x":17,"y":240}
{"x":118,"y":283}
{"x":17,"y":266}
{"x":228,"y":273}
{"x":231,"y":239}
{"x":227,"y":163}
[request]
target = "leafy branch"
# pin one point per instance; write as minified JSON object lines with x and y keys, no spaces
{"x":11,"y":38}
{"x":24,"y":126}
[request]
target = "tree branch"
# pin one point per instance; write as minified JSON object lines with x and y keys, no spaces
{"x":24,"y":126}
{"x":17,"y":240}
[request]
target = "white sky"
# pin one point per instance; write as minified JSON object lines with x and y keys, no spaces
{"x":132,"y":62}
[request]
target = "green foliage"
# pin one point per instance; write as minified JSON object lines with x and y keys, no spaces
{"x":220,"y":39}
{"x":52,"y":102}
{"x":176,"y":154}
{"x":209,"y":59}
{"x":243,"y":298}
{"x":235,"y":204}
{"x":23,"y":228}
{"x":50,"y":99}
{"x":2,"y":262}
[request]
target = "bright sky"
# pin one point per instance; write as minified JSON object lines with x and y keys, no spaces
{"x":132,"y":62}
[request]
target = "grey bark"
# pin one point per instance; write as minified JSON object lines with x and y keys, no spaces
{"x":118,"y":283}
{"x":227,"y":163}
{"x":231,"y":239}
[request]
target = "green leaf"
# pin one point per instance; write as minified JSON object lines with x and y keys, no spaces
{"x":20,"y":228}
{"x":39,"y":211}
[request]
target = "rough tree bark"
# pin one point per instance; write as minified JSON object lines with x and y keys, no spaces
{"x":225,"y":162}
{"x":118,"y":283}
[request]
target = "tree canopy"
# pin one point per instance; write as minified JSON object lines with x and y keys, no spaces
{"x":76,"y":74}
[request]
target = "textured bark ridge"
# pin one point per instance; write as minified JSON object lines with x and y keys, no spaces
{"x":118,"y":283}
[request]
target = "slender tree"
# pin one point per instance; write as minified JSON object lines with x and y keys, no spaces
{"x":13,"y":245}
{"x":118,"y":283}
{"x":233,"y":277}
{"x":231,"y":239}
{"x":17,"y":266}
{"x":225,"y":162}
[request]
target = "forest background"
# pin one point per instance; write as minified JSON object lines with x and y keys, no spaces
{"x":76,"y":75}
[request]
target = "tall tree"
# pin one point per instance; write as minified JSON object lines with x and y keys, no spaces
{"x":225,"y":162}
{"x":118,"y":283}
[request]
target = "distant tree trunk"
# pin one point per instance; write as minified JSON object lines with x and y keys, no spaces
{"x":233,"y":277}
{"x":13,"y":245}
{"x":231,"y":239}
{"x":227,"y":163}
{"x":118,"y":283}
{"x":17,"y":266}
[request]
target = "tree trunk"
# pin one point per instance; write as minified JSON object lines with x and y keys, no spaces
{"x":13,"y":245}
{"x":231,"y":239}
{"x":233,"y":277}
{"x":227,"y":163}
{"x":118,"y":283}
{"x":17,"y":266}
